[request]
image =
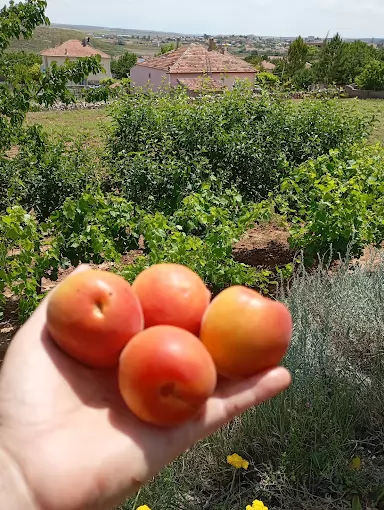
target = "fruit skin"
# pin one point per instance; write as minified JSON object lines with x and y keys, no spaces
{"x":172,"y":294}
{"x":166,"y":375}
{"x":245,"y":333}
{"x":92,"y":315}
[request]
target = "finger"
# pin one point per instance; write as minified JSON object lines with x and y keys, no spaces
{"x":233,"y":398}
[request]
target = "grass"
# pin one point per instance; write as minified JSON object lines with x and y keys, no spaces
{"x":374,"y":108}
{"x":91,"y":124}
{"x":300,"y":444}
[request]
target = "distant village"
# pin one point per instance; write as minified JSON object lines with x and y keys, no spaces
{"x":237,"y":44}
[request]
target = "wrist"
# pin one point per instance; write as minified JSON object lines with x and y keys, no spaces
{"x":14,"y":491}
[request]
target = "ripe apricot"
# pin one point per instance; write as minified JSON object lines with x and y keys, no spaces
{"x":172,"y":294}
{"x":92,"y":315}
{"x":166,"y":375}
{"x":244,"y":332}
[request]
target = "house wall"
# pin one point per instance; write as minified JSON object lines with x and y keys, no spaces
{"x":106,"y":63}
{"x":227,"y":79}
{"x":141,"y":75}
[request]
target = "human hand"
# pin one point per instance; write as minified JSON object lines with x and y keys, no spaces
{"x":68,"y":441}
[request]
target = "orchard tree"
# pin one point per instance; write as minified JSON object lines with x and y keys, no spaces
{"x":122,"y":66}
{"x":21,"y":90}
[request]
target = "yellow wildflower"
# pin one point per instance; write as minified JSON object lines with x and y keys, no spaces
{"x":257,"y":505}
{"x":143,"y":507}
{"x":355,"y":464}
{"x":237,"y":461}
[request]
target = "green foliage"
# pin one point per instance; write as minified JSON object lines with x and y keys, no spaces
{"x":372,"y":76}
{"x":122,"y":66}
{"x":200,"y":235}
{"x":24,"y":261}
{"x":18,"y":67}
{"x":104,"y":92}
{"x":297,"y":56}
{"x":254,"y":59}
{"x":25,"y":88}
{"x":266,"y":79}
{"x":329,"y":68}
{"x":166,"y":48}
{"x":44,"y":173}
{"x":164,"y":146}
{"x":20,"y":19}
{"x":336,"y":201}
{"x":340,"y":62}
{"x":94,"y":228}
{"x":357,"y":55}
{"x":303,"y":79}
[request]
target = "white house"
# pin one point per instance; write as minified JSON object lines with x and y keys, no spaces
{"x":74,"y":49}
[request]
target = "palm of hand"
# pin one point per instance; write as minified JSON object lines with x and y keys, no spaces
{"x":71,"y":435}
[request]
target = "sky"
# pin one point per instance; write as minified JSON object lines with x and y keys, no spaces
{"x":351,"y":18}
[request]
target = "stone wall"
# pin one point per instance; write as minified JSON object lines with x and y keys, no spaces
{"x":351,"y":91}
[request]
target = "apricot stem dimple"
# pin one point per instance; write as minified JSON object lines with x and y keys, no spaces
{"x":169,"y":390}
{"x":99,"y":308}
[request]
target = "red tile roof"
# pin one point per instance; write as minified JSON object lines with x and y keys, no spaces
{"x":201,"y":82}
{"x":73,"y":48}
{"x":268,"y":66}
{"x":197,"y":59}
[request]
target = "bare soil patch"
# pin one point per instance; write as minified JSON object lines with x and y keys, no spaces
{"x":264,"y":245}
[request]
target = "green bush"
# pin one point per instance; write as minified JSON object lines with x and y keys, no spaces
{"x":94,"y":228}
{"x":372,"y":76}
{"x":267,"y":79}
{"x":43,"y":173}
{"x":24,"y":259}
{"x":200,"y":235}
{"x":165,"y":146}
{"x":303,"y":79}
{"x":336,"y":201}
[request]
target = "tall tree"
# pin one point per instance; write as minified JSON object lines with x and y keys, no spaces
{"x":122,"y":66}
{"x":331,"y":65}
{"x":297,"y":56}
{"x":356,"y":56}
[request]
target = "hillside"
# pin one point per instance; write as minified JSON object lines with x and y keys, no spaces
{"x":48,"y":37}
{"x":120,"y":31}
{"x":45,"y":37}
